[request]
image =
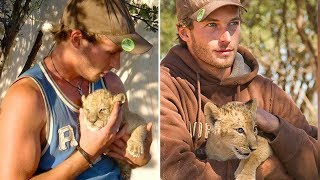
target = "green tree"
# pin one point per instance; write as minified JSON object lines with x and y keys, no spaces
{"x":141,"y":11}
{"x":283,"y":37}
{"x":168,"y":22}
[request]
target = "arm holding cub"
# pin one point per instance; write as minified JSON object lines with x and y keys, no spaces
{"x":97,"y":107}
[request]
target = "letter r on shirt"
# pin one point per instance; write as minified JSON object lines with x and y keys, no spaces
{"x":64,"y":139}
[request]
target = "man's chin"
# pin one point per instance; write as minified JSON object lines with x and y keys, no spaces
{"x":224,"y":64}
{"x":94,"y":79}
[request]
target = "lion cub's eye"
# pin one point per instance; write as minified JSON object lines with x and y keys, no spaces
{"x":240,"y":130}
{"x":103,"y":109}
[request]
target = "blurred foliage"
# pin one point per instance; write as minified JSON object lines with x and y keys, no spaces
{"x":282,"y":35}
{"x":168,"y":29}
{"x":141,"y":11}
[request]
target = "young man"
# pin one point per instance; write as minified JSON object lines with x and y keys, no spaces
{"x":41,"y":127}
{"x":209,"y":65}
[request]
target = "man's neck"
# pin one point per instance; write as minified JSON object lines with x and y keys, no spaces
{"x":64,"y":63}
{"x":61,"y":63}
{"x":216,"y":72}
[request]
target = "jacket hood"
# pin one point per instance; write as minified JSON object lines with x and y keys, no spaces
{"x":244,"y":69}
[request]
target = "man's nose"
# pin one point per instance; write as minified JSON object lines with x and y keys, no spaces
{"x":225,"y":37}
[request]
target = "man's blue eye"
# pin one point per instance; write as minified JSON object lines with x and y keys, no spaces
{"x":235,"y":23}
{"x":212,"y":25}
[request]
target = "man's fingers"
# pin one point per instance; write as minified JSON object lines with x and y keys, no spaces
{"x":149,"y":133}
{"x":122,"y":131}
{"x":116,"y":149}
{"x":149,"y":127}
{"x":81,"y":116}
{"x":115,"y":118}
{"x":125,"y":137}
{"x":114,"y":114}
{"x":238,"y":102}
{"x":120,"y":157}
{"x":120,"y":144}
{"x":115,"y":155}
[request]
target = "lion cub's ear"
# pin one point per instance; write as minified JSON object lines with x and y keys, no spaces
{"x":252,"y":105}
{"x":119,"y":97}
{"x":211,"y":112}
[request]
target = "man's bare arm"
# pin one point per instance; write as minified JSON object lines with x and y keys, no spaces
{"x":22,"y":119}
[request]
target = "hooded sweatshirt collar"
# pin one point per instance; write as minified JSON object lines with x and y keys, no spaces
{"x":244,"y":69}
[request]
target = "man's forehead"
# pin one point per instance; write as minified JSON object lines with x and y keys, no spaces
{"x":221,"y":12}
{"x":215,"y":19}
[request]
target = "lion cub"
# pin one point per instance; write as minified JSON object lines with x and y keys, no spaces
{"x":97,"y":107}
{"x":234,"y":135}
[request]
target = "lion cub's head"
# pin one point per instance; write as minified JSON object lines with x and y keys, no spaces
{"x":97,"y":107}
{"x":233,"y":130}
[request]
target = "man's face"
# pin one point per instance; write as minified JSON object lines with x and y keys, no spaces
{"x":215,"y":40}
{"x":99,"y":58}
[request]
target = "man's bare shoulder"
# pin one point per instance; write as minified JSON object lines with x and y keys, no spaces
{"x":24,"y":90}
{"x":22,"y":101}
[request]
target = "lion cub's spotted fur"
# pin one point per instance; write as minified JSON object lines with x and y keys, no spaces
{"x":234,"y":135}
{"x":97,"y":107}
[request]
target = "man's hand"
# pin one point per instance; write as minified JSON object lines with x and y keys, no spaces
{"x":117,"y":149}
{"x":267,"y":122}
{"x":94,"y":142}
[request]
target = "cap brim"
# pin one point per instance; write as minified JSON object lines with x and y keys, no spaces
{"x":210,"y":7}
{"x":140,"y":45}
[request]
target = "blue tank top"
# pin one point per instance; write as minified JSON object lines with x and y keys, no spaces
{"x":62,"y":125}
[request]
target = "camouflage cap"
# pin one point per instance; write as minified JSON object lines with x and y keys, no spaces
{"x":198,"y":10}
{"x":105,"y":17}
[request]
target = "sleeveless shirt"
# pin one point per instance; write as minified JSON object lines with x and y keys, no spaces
{"x":62,"y":125}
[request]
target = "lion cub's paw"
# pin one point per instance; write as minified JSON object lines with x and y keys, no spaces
{"x":245,"y":177}
{"x":135,"y":148}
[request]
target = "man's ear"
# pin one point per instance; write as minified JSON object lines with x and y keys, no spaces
{"x":184,"y":33}
{"x":76,"y":37}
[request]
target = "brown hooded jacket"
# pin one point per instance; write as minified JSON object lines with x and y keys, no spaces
{"x":185,"y":88}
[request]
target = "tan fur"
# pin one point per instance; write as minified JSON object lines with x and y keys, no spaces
{"x":226,"y":140}
{"x":97,"y":107}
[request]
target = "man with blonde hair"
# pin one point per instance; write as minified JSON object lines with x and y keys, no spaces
{"x":42,"y":134}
